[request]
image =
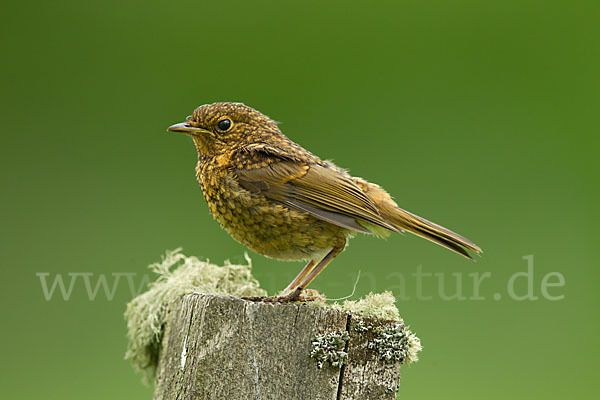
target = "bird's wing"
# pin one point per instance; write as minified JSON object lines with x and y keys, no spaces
{"x":291,"y":152}
{"x":315,"y":189}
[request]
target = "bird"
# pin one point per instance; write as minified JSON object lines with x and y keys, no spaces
{"x":282,"y":201}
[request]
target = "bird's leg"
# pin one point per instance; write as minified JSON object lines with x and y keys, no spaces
{"x":289,"y":288}
{"x":295,"y":295}
{"x":300,"y":276}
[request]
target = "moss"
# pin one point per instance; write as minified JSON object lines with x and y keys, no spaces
{"x":178,"y":275}
{"x":330,"y":347}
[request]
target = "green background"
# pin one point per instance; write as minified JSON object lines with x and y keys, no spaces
{"x":479,"y":115}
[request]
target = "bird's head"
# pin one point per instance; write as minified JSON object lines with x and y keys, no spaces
{"x":220,"y":127}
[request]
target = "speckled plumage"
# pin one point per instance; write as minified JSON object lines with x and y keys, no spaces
{"x":284,"y":202}
{"x":266,"y":227}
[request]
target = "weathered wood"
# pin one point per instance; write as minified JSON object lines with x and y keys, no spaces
{"x":226,"y":348}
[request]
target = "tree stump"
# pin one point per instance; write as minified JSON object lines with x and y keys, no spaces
{"x":217,"y":347}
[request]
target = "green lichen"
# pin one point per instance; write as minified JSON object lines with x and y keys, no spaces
{"x":178,"y":275}
{"x":395,"y":343}
{"x":330,"y":347}
{"x":361,"y":326}
{"x":376,"y":305}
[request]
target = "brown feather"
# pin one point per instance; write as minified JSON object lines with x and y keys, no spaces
{"x":330,"y":193}
{"x":317,"y":188}
{"x":431,"y":231}
{"x":413,"y":223}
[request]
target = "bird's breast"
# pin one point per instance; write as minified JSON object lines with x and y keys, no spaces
{"x":264,"y":226}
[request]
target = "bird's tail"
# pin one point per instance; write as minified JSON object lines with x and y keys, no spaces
{"x":404,"y":220}
{"x":431,"y":231}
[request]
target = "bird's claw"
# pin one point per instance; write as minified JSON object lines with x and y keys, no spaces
{"x":291,"y":297}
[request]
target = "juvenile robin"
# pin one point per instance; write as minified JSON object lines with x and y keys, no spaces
{"x":284,"y":202}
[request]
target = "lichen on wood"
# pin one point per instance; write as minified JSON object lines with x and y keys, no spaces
{"x":184,"y":326}
{"x":330,"y":348}
{"x":178,"y":275}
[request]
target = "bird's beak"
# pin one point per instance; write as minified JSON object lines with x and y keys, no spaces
{"x":185,"y":128}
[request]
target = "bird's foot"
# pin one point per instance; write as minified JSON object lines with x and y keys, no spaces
{"x":287,"y":298}
{"x":292,"y":297}
{"x":277,"y":299}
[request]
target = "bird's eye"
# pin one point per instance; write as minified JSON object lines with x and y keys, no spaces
{"x":224,"y":125}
